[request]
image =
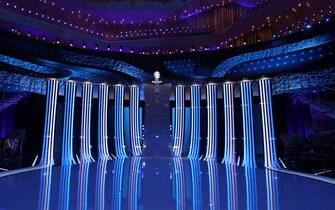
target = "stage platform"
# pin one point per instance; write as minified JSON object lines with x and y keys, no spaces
{"x":162,"y":184}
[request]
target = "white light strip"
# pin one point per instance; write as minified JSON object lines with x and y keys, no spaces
{"x":251,"y":187}
{"x":102,"y":118}
{"x":270,"y":155}
{"x":85,"y":146}
{"x":117,"y":183}
{"x":101,"y":184}
{"x":49,"y":123}
{"x":249,"y":159}
{"x":231,"y":187}
{"x":272,"y":189}
{"x":84,"y":170}
{"x":119,"y":122}
{"x":213,"y":184}
{"x":45,"y":189}
{"x":179,"y":124}
{"x":195,"y":122}
{"x":179,"y":182}
{"x":196,"y":183}
{"x":134,"y":183}
{"x":228,"y":98}
{"x":67,"y":150}
{"x":65,"y":183}
{"x":211,"y":122}
{"x":135,"y":137}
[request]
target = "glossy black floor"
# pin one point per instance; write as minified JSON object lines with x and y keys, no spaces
{"x":161,"y":183}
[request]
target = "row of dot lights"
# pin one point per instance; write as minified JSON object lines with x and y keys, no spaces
{"x":145,"y":33}
{"x":322,"y":15}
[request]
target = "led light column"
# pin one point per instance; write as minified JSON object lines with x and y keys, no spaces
{"x":228,"y":100}
{"x":248,"y":125}
{"x":195,"y":122}
{"x":270,"y":155}
{"x":135,"y":137}
{"x":179,"y":123}
{"x":85,"y":142}
{"x":102,"y":133}
{"x":49,"y":123}
{"x":119,"y":129}
{"x":211,"y":121}
{"x":70,"y":96}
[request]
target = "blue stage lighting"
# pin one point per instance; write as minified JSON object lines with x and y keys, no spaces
{"x":211,"y":122}
{"x":178,"y":138}
{"x":67,"y":148}
{"x":47,"y":158}
{"x":195,"y":122}
{"x":228,"y":98}
{"x":102,"y":118}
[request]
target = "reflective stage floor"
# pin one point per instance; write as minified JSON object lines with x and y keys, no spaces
{"x":162,"y":184}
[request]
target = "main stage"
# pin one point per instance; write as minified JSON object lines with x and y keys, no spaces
{"x":162,"y":183}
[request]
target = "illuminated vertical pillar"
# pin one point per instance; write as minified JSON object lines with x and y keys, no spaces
{"x":179,"y":124}
{"x":102,"y":118}
{"x":49,"y":123}
{"x":228,"y":100}
{"x":179,"y":182}
{"x":85,"y":143}
{"x":211,"y":121}
{"x":135,"y":137}
{"x":248,"y":125}
{"x":213,"y":184}
{"x":270,"y":155}
{"x":70,"y":96}
{"x":195,"y":122}
{"x":119,"y":129}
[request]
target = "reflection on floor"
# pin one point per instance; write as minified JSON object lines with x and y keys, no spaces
{"x":161,"y":183}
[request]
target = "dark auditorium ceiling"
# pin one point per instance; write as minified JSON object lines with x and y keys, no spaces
{"x":162,"y":26}
{"x":193,"y":40}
